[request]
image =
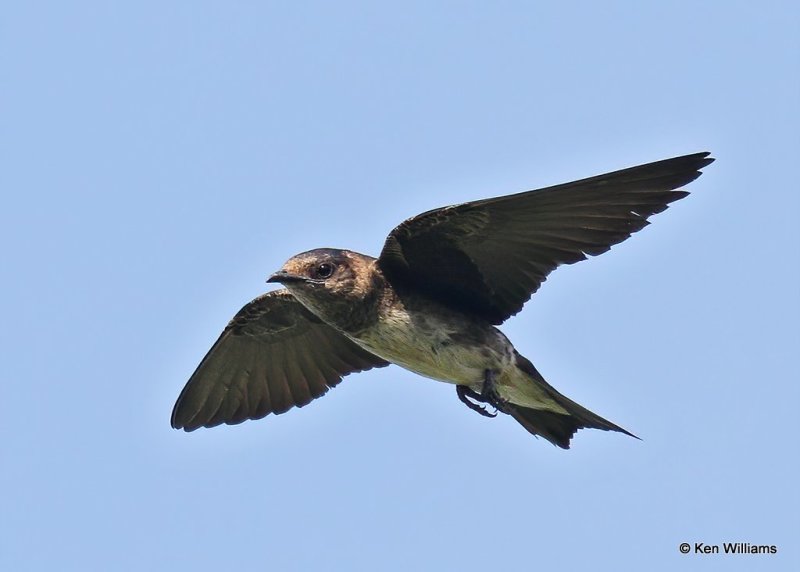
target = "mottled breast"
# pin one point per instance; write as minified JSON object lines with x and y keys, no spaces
{"x":439,"y":345}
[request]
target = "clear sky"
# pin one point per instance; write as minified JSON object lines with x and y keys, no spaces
{"x":159,"y":160}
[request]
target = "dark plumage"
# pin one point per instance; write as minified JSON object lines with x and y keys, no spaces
{"x":488,"y":257}
{"x":273,"y":355}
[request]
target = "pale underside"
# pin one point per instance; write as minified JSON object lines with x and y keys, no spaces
{"x":452,"y":350}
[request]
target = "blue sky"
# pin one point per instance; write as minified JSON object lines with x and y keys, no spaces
{"x":159,"y":160}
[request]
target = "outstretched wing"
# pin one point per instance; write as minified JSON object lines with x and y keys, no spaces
{"x":273,"y":355}
{"x":488,"y":257}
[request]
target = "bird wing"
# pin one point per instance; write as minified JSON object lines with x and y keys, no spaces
{"x":274,"y":354}
{"x":488,"y":257}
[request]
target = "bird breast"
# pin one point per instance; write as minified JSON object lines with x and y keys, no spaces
{"x":439,"y":345}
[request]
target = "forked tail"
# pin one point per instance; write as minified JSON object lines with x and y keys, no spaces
{"x":555,"y":427}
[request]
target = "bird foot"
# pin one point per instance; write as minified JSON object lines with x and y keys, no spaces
{"x":465,"y":394}
{"x":488,"y":394}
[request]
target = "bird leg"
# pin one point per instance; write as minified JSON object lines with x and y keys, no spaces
{"x":488,"y":395}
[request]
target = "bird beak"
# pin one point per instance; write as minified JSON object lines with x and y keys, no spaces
{"x":283,"y":277}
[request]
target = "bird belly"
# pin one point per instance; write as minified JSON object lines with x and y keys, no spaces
{"x":443,"y":348}
{"x":446,"y":348}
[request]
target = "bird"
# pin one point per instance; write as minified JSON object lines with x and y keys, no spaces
{"x":430,"y":303}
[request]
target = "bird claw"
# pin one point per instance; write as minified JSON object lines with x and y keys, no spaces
{"x":465,"y":394}
{"x":488,"y":395}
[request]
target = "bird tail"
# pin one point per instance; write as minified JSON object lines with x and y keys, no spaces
{"x":555,"y":427}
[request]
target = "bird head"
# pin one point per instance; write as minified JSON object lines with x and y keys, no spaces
{"x":327,"y":280}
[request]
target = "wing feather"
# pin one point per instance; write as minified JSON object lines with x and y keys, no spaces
{"x":273,"y":355}
{"x":488,"y":257}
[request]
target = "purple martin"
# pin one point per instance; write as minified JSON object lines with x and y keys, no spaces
{"x":429,"y":303}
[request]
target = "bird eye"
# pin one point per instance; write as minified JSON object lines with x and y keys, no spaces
{"x":325,"y":270}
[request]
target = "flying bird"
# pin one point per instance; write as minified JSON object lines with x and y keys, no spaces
{"x":429,"y":303}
